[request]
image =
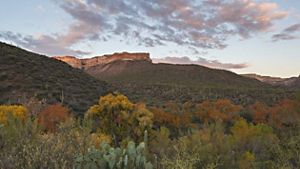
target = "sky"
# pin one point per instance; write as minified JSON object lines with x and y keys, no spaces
{"x":243,"y":36}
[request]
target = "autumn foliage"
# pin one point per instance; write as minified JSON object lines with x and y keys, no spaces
{"x":210,"y":134}
{"x":15,"y":111}
{"x":52,"y":116}
{"x":165,"y":118}
{"x":116,"y":116}
{"x":260,"y":112}
{"x":285,"y":113}
{"x":99,"y":138}
{"x":222,"y":109}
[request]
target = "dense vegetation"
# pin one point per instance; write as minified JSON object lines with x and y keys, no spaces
{"x":116,"y":133}
{"x":156,"y":94}
{"x":24,"y":75}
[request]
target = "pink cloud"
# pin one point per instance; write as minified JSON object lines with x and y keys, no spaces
{"x":201,"y":61}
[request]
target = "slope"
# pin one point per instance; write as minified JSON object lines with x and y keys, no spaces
{"x":290,"y":83}
{"x":25,"y":75}
{"x":142,"y":80}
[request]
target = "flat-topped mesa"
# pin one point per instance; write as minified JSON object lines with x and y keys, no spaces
{"x":100,"y":60}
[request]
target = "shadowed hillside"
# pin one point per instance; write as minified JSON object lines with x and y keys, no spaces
{"x":291,"y":83}
{"x":142,"y":80}
{"x":24,"y":75}
{"x":188,"y":75}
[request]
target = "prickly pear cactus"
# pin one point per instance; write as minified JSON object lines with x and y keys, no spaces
{"x":131,"y":157}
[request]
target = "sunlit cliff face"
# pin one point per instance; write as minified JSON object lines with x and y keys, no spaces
{"x":99,"y":60}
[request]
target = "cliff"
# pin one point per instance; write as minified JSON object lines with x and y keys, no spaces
{"x":101,"y":60}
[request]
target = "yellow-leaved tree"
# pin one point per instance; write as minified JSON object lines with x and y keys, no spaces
{"x":140,"y":120}
{"x":116,"y":116}
{"x":15,"y":111}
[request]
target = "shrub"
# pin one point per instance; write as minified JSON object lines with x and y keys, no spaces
{"x":116,"y":116}
{"x":52,"y":116}
{"x":16,"y":111}
{"x":23,"y":146}
{"x":99,"y":138}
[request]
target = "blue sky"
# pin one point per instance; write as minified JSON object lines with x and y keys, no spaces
{"x":245,"y":36}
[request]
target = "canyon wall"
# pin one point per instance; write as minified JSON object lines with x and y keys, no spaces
{"x":100,"y":60}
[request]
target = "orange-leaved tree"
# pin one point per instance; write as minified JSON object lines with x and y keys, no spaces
{"x":52,"y":116}
{"x":285,"y":113}
{"x":260,"y":112}
{"x":221,"y":109}
{"x":163,"y":118}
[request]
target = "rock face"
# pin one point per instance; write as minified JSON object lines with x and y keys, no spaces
{"x":71,"y":60}
{"x":102,"y":60}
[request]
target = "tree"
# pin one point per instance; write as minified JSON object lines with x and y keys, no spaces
{"x":99,"y":138}
{"x":260,"y":112}
{"x":140,"y":120}
{"x":163,"y":118}
{"x":52,"y":116}
{"x":285,"y":114}
{"x":221,"y":109}
{"x":247,"y":160}
{"x":258,"y":139}
{"x":160,"y":143}
{"x":116,"y":116}
{"x":15,"y":111}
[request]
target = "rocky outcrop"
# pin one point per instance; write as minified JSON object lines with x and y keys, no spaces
{"x":101,"y":60}
{"x":71,"y":60}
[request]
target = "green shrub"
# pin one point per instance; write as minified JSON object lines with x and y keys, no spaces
{"x":23,"y":145}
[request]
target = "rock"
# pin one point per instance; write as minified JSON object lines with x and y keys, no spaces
{"x":101,"y":60}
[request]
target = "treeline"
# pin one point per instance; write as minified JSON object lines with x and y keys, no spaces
{"x":157,"y":94}
{"x":117,"y":134}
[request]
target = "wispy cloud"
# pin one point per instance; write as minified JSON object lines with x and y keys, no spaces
{"x":197,"y":25}
{"x":201,"y":61}
{"x":43,"y":44}
{"x":288,"y":33}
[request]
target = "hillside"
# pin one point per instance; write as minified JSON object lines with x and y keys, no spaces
{"x":292,"y":82}
{"x":157,"y":83}
{"x":24,"y":75}
{"x":142,"y":72}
